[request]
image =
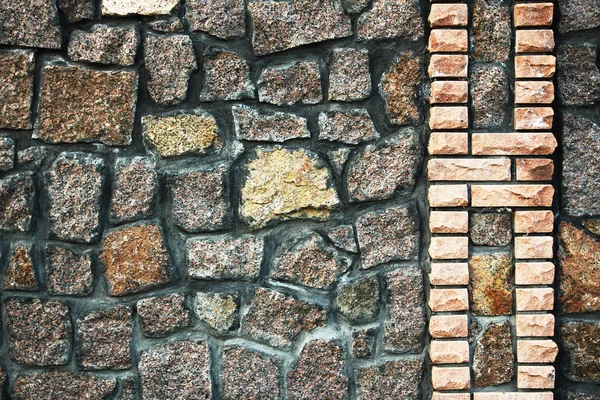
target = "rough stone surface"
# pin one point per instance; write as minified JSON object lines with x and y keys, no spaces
{"x":343,"y":237}
{"x":39,"y":332}
{"x":491,"y":229}
{"x":358,"y":301}
{"x":489,"y":94}
{"x":399,"y":88}
{"x":349,"y":77}
{"x":491,"y":291}
{"x":104,"y":44}
{"x":391,"y":19}
{"x":491,"y":31}
{"x":62,"y":385}
{"x":20,"y":274}
{"x":249,"y":374}
{"x":16,"y":88}
{"x":265,"y":126}
{"x":226,"y":77}
{"x":141,"y":7}
{"x":31,"y":24}
{"x":160,"y":316}
{"x":7,"y":153}
{"x":493,"y":358}
{"x":351,"y":127}
{"x":224,"y":19}
{"x":576,"y":15}
{"x":299,"y":82}
{"x":171,"y":25}
{"x":582,"y":344}
{"x":68,"y":273}
{"x":578,"y":76}
{"x":217,"y":310}
{"x":77,"y":10}
{"x":16,"y":202}
{"x":392,"y":380}
{"x":575,"y":394}
{"x":134,"y":189}
{"x":338,"y":159}
{"x":363,"y":343}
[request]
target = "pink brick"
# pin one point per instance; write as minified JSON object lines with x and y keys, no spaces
{"x":533,"y":14}
{"x":518,"y":143}
{"x":449,"y":92}
{"x":449,"y":221}
{"x":538,"y":92}
{"x":449,"y":247}
{"x":533,"y":221}
{"x":469,"y":169}
{"x":448,"y":326}
{"x":448,"y":66}
{"x":534,"y":40}
{"x":535,"y":66}
{"x":534,"y":273}
{"x":535,"y":299}
{"x":536,"y":351}
{"x":450,"y":396}
{"x":451,"y":378}
{"x":448,"y":300}
{"x":534,"y":247}
{"x":441,"y":118}
{"x":448,"y":196}
{"x":535,"y":377}
{"x":449,"y":351}
{"x":512,"y":195}
{"x":454,"y":143}
{"x":448,"y":40}
{"x":449,"y":274}
{"x":448,"y":15}
{"x":514,"y":396}
{"x":535,"y":325}
{"x":534,"y":118}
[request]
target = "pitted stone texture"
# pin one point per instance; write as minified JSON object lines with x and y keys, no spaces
{"x":135,"y":259}
{"x":392,"y":380}
{"x":491,"y":291}
{"x":363,"y":343}
{"x":170,"y":25}
{"x":580,"y":169}
{"x":391,"y":19}
{"x":225,"y":257}
{"x":358,"y":301}
{"x":169,"y":62}
{"x":284,"y":25}
{"x":16,"y":202}
{"x":349,"y":77}
{"x":105,"y":339}
{"x":286,"y":85}
{"x":399,"y":87}
{"x":387,"y":235}
{"x":134,"y":189}
{"x":491,"y":229}
{"x":581,"y":341}
{"x":319,"y":372}
{"x":62,"y":385}
{"x":355,"y":6}
{"x":277,"y":319}
{"x":7,"y":153}
{"x":395,"y":162}
{"x":83,"y":105}
{"x":30,"y":24}
{"x":74,"y":185}
{"x":351,"y":127}
{"x":68,"y":273}
{"x":16,"y":88}
{"x":33,"y":157}
{"x":576,"y":15}
{"x":226,"y":77}
{"x":77,"y":10}
{"x":338,"y":158}
{"x":343,"y":237}
{"x":286,"y":184}
{"x":160,"y":316}
{"x":176,"y":371}
{"x":404,"y":327}
{"x":140,"y":7}
{"x":201,"y":199}
{"x":20,"y":274}
{"x":128,"y":390}
{"x":491,"y":31}
{"x":217,"y":310}
{"x":249,"y":374}
{"x":578,"y":76}
{"x":268,"y":126}
{"x":104,"y":44}
{"x":489,"y":94}
{"x":39,"y":332}
{"x":493,"y":359}
{"x":578,"y":394}
{"x":224,"y":19}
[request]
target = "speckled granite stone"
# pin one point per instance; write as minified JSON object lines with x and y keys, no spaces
{"x":491,"y":229}
{"x":7,"y":154}
{"x":363,"y":343}
{"x":16,"y":202}
{"x":68,"y":272}
{"x":358,"y":301}
{"x":171,"y":25}
{"x":217,"y":310}
{"x":20,"y":274}
{"x":268,"y":126}
{"x":104,"y":44}
{"x":391,"y":19}
{"x":32,"y":24}
{"x":343,"y":237}
{"x":249,"y":374}
{"x":134,"y":189}
{"x":399,"y":87}
{"x":351,"y":127}
{"x":578,"y":76}
{"x":493,"y":358}
{"x":224,"y":19}
{"x":489,"y":86}
{"x":299,"y":82}
{"x":16,"y":88}
{"x":491,"y":31}
{"x":77,"y":10}
{"x":163,"y":315}
{"x":581,"y":342}
{"x":576,"y":15}
{"x":226,"y":77}
{"x":349,"y":77}
{"x":392,"y":380}
{"x":62,"y":385}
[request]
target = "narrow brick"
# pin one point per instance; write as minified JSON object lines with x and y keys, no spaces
{"x":534,"y":273}
{"x":448,"y":326}
{"x":534,"y":40}
{"x":449,"y":92}
{"x":535,"y":66}
{"x":449,"y":247}
{"x":449,"y":351}
{"x":535,"y":377}
{"x":513,"y":396}
{"x":448,"y":300}
{"x":449,"y":274}
{"x":534,"y":92}
{"x":535,"y":169}
{"x":533,"y":221}
{"x":448,"y":15}
{"x":533,"y":14}
{"x":536,"y":351}
{"x":441,"y":118}
{"x":448,"y":66}
{"x":534,"y":247}
{"x":512,"y":195}
{"x":449,"y":221}
{"x":455,"y":143}
{"x":534,"y":118}
{"x":535,"y":325}
{"x":451,"y":378}
{"x":448,"y":40}
{"x":450,"y":396}
{"x":535,"y":299}
{"x":517,"y":143}
{"x":448,"y":196}
{"x":469,"y":169}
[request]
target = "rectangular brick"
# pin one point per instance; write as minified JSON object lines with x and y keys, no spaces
{"x":533,"y":14}
{"x":450,"y":378}
{"x":449,"y":247}
{"x":535,"y":325}
{"x":534,"y":247}
{"x":441,"y":118}
{"x":448,"y":274}
{"x":449,"y":221}
{"x":534,"y":273}
{"x":535,"y":169}
{"x":449,"y":92}
{"x":534,"y":40}
{"x":512,"y":195}
{"x":469,"y":169}
{"x":533,"y":221}
{"x":535,"y":299}
{"x":535,"y":92}
{"x":448,"y":196}
{"x":535,"y":377}
{"x":537,"y":66}
{"x":454,"y":143}
{"x":514,"y":396}
{"x":449,"y":351}
{"x":448,"y":326}
{"x":536,"y":351}
{"x":448,"y":66}
{"x":448,"y":40}
{"x":514,"y":144}
{"x":448,"y":15}
{"x":534,"y":118}
{"x":441,"y":300}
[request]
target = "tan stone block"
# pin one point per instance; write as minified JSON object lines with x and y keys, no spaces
{"x":448,"y":326}
{"x":449,"y":92}
{"x":441,"y":118}
{"x":513,"y":396}
{"x":450,"y":396}
{"x":448,"y":66}
{"x":535,"y":396}
{"x":451,"y":378}
{"x":448,"y":40}
{"x":533,"y":14}
{"x":469,"y":169}
{"x":536,"y":92}
{"x":448,"y":15}
{"x":449,"y":351}
{"x":535,"y":169}
{"x":533,"y":221}
{"x":448,"y":300}
{"x":534,"y":40}
{"x":535,"y":325}
{"x":534,"y":118}
{"x":512,"y":195}
{"x":534,"y":273}
{"x":454,"y":143}
{"x":536,"y":351}
{"x":535,"y":299}
{"x":517,"y":143}
{"x":534,"y":247}
{"x":448,"y":196}
{"x":535,"y":377}
{"x":446,"y":274}
{"x":449,"y":247}
{"x":535,"y":66}
{"x":449,"y":222}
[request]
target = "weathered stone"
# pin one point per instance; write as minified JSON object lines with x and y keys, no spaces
{"x":578,"y":75}
{"x":105,"y":339}
{"x":399,"y":88}
{"x":62,"y":385}
{"x":225,"y":257}
{"x":533,"y":14}
{"x":16,"y":202}
{"x":20,"y":274}
{"x":134,"y":189}
{"x":268,"y":126}
{"x":349,"y":77}
{"x":491,"y":229}
{"x":448,"y":40}
{"x":581,"y":341}
{"x":33,"y":157}
{"x":576,"y":15}
{"x":39,"y":332}
{"x":534,"y":40}
{"x":535,"y":66}
{"x":449,"y":351}
{"x":319,"y":372}
{"x":343,"y":238}
{"x":351,"y":127}
{"x":338,"y":158}
{"x":489,"y":94}
{"x":448,"y":299}
{"x":450,"y":378}
{"x":580,"y":394}
{"x":449,"y":221}
{"x":392,"y":380}
{"x":534,"y":169}
{"x":448,"y":66}
{"x":135,"y":259}
{"x":491,"y":31}
{"x":140,"y":7}
{"x":249,"y":374}
{"x":540,"y":325}
{"x":16,"y":88}
{"x":445,"y":118}
{"x":534,"y":273}
{"x":592,"y":225}
{"x":449,"y":92}
{"x":169,"y":62}
{"x":395,"y":161}
{"x":104,"y":44}
{"x":160,"y":316}
{"x":355,"y":6}
{"x":516,"y":143}
{"x":226,"y":77}
{"x":493,"y":359}
{"x":296,"y":83}
{"x":68,"y":273}
{"x":358,"y":301}
{"x":277,"y":319}
{"x":387,"y":235}
{"x":176,"y":370}
{"x":77,"y":10}
{"x":7,"y":153}
{"x":537,"y":351}
{"x":224,"y":19}
{"x":404,"y":327}
{"x":491,"y":291}
{"x":31,"y":24}
{"x":363,"y":343}
{"x":391,"y":19}
{"x":538,"y":92}
{"x":286,"y":184}
{"x":449,"y":274}
{"x":201,"y":199}
{"x":533,"y":118}
{"x":217,"y":310}
{"x":535,"y":299}
{"x":287,"y":24}
{"x":171,"y":25}
{"x":128,"y":390}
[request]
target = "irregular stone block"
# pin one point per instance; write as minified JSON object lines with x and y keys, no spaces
{"x":16,"y":88}
{"x":399,"y":88}
{"x":160,"y":316}
{"x":351,"y":127}
{"x":217,"y":310}
{"x":77,"y":10}
{"x":493,"y":359}
{"x":68,"y":273}
{"x":224,"y":19}
{"x":268,"y":126}
{"x":62,"y":385}
{"x":580,"y":340}
{"x":338,"y":158}
{"x":249,"y":374}
{"x":578,"y":75}
{"x":226,"y":77}
{"x":7,"y":153}
{"x":20,"y":274}
{"x":104,"y":44}
{"x":491,"y":289}
{"x":170,"y":25}
{"x":491,"y":31}
{"x":30,"y":24}
{"x":576,"y":15}
{"x":297,"y":83}
{"x":392,"y":380}
{"x":358,"y":301}
{"x":343,"y":237}
{"x":391,"y":19}
{"x":577,"y":394}
{"x":489,"y":94}
{"x":134,"y":189}
{"x":140,"y":7}
{"x":16,"y":202}
{"x":349,"y":77}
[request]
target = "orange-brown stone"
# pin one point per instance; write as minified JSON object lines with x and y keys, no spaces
{"x":535,"y":169}
{"x":491,"y":291}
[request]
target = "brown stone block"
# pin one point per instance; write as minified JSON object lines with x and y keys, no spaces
{"x":533,"y":221}
{"x":448,"y":15}
{"x":448,"y":40}
{"x":518,"y":143}
{"x":491,"y":290}
{"x":535,"y":299}
{"x":535,"y":325}
{"x":534,"y":273}
{"x":534,"y":247}
{"x":441,"y":118}
{"x":448,"y":326}
{"x":449,"y":92}
{"x":534,"y":118}
{"x":512,"y":195}
{"x":536,"y":351}
{"x":536,"y":92}
{"x":473,"y":169}
{"x":449,"y":274}
{"x":449,"y":351}
{"x":448,"y":66}
{"x":448,"y":143}
{"x":535,"y":169}
{"x":451,"y":378}
{"x":533,"y":14}
{"x":449,"y":247}
{"x":449,"y":221}
{"x":535,"y":66}
{"x":448,"y":196}
{"x":534,"y":40}
{"x":535,"y":377}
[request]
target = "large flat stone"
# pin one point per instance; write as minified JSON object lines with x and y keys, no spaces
{"x":31,"y":23}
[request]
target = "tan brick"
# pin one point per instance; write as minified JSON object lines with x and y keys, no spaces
{"x":450,"y":378}
{"x":448,"y":40}
{"x":533,"y":14}
{"x":533,"y":221}
{"x":534,"y":273}
{"x":455,"y":143}
{"x":535,"y":299}
{"x":514,"y":396}
{"x":448,"y":66}
{"x":450,"y":396}
{"x":448,"y":15}
{"x":448,"y":326}
{"x":449,"y":247}
{"x":535,"y":66}
{"x":449,"y":92}
{"x":534,"y":40}
{"x":448,"y":196}
{"x":535,"y":325}
{"x":449,"y":222}
{"x":448,"y":300}
{"x":534,"y":118}
{"x":536,"y":92}
{"x":441,"y":118}
{"x":535,"y":169}
{"x":536,"y":351}
{"x":516,"y":143}
{"x":448,"y":274}
{"x":535,"y":377}
{"x":469,"y":169}
{"x":449,"y":351}
{"x":512,"y":195}
{"x":534,"y":247}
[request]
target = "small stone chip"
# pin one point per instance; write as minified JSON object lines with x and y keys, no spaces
{"x":104,"y":44}
{"x":297,"y":83}
{"x":226,"y":77}
{"x":268,"y":126}
{"x":68,"y":273}
{"x":134,"y":189}
{"x":77,"y":10}
{"x":16,"y":88}
{"x":16,"y":202}
{"x":249,"y":374}
{"x":217,"y":310}
{"x":351,"y":127}
{"x":349,"y":77}
{"x":399,"y":88}
{"x":343,"y":237}
{"x":20,"y":274}
{"x":363,"y":343}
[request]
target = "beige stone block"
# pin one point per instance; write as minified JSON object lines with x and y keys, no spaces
{"x":448,"y":300}
{"x":449,"y":92}
{"x":535,"y":66}
{"x":455,"y":143}
{"x":536,"y":351}
{"x":448,"y":15}
{"x":449,"y":351}
{"x":450,"y":396}
{"x":513,"y":396}
{"x":141,"y":7}
{"x":469,"y":169}
{"x":533,"y":221}
{"x":512,"y":195}
{"x":536,"y":92}
{"x":448,"y":326}
{"x":535,"y":377}
{"x":534,"y":273}
{"x":534,"y":118}
{"x":535,"y":325}
{"x":449,"y":247}
{"x":448,"y":66}
{"x":448,"y":196}
{"x":535,"y":299}
{"x":534,"y":247}
{"x":534,"y":40}
{"x":448,"y":274}
{"x":448,"y":40}
{"x":441,"y":118}
{"x":451,"y":378}
{"x":517,"y":143}
{"x":533,"y":14}
{"x":534,"y":169}
{"x":449,"y":221}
